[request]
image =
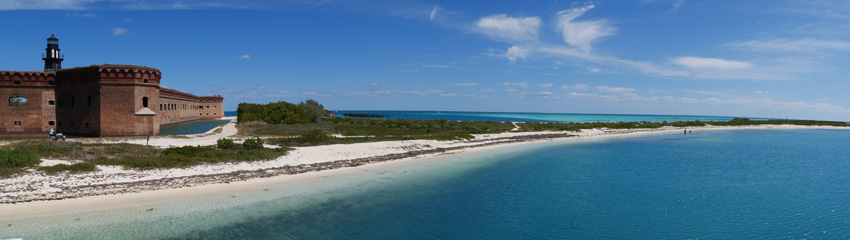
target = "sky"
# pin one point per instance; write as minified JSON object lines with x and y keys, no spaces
{"x":757,"y":58}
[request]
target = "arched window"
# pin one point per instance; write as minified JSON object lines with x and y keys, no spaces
{"x":17,"y":101}
{"x":145,"y":102}
{"x":88,"y":101}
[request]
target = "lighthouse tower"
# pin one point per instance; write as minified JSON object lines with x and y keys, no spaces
{"x":52,"y":58}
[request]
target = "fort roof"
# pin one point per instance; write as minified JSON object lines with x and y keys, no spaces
{"x":27,"y":78}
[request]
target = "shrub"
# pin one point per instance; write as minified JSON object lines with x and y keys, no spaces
{"x":314,"y":137}
{"x":253,"y":143}
{"x":18,"y":158}
{"x":226,"y":144}
{"x":76,"y":167}
{"x":313,"y":109}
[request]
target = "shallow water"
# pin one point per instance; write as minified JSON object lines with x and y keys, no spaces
{"x":192,"y":127}
{"x":739,"y":184}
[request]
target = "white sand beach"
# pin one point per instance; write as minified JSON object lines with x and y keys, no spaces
{"x":39,"y":193}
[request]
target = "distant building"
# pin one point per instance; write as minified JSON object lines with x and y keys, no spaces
{"x":98,"y":100}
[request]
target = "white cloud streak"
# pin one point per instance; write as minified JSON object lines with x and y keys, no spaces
{"x":434,"y":13}
{"x":581,"y":34}
{"x":119,"y":31}
{"x":808,"y":45}
{"x":502,"y":27}
{"x":710,"y":63}
{"x":519,"y":84}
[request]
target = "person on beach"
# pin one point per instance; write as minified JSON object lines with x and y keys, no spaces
{"x":51,"y":133}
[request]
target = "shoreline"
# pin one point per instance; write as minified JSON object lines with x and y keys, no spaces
{"x":38,"y":193}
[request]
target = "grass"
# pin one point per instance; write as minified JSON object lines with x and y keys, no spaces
{"x":76,"y":167}
{"x":128,"y":155}
{"x":16,"y":160}
{"x":317,"y":137}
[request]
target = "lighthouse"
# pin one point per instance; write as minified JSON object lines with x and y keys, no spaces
{"x":52,"y":58}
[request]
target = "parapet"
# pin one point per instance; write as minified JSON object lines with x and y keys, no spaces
{"x":174,"y":94}
{"x":108,"y":73}
{"x":215,"y":98}
{"x":27,"y":78}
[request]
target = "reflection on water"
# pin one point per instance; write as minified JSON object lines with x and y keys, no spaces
{"x":192,"y":127}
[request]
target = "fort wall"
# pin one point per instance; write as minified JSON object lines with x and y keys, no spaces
{"x":100,"y":100}
{"x":211,"y":107}
{"x":28,"y":103}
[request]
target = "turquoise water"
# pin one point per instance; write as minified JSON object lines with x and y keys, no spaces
{"x":741,"y":184}
{"x":538,"y":117}
{"x":193,"y":127}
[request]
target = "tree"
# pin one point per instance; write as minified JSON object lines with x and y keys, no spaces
{"x":314,"y":110}
{"x":284,"y":113}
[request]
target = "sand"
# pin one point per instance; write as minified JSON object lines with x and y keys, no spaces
{"x":38,"y":193}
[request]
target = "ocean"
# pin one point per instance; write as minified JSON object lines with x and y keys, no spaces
{"x":537,"y":117}
{"x":725,"y":184}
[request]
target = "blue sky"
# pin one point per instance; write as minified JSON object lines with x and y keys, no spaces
{"x":777,"y":59}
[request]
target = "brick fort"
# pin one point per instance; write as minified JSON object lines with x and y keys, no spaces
{"x":98,"y":100}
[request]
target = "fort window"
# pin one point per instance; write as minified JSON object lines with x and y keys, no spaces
{"x":59,"y":102}
{"x":145,"y":80}
{"x":17,"y":101}
{"x":73,"y":103}
{"x":72,"y":124}
{"x":88,"y":101}
{"x":17,"y":82}
{"x":87,"y":124}
{"x":51,"y":123}
{"x":200,"y":114}
{"x":51,"y":102}
{"x":208,"y":106}
{"x":145,"y":102}
{"x":17,"y":123}
{"x":160,"y":107}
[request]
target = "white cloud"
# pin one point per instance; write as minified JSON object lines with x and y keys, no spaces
{"x":467,"y":84}
{"x":581,"y":34}
{"x":246,"y":56}
{"x":593,"y":70}
{"x":545,"y":85}
{"x":87,"y":15}
{"x":581,"y":87}
{"x":710,"y":63}
{"x":519,"y":84}
{"x":502,"y":27}
{"x":801,"y":45}
{"x":761,"y":92}
{"x":440,"y":66}
{"x":675,"y":3}
{"x":615,"y":89}
{"x":43,"y":4}
{"x":434,"y":13}
{"x":119,"y":31}
{"x":515,"y":52}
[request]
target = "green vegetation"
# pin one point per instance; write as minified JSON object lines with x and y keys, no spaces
{"x":76,"y":167}
{"x":226,"y":144}
{"x":26,"y":154}
{"x":273,"y":113}
{"x":317,"y":137}
{"x":744,"y":122}
{"x":370,"y":130}
{"x":314,"y":110}
{"x":14,"y":161}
